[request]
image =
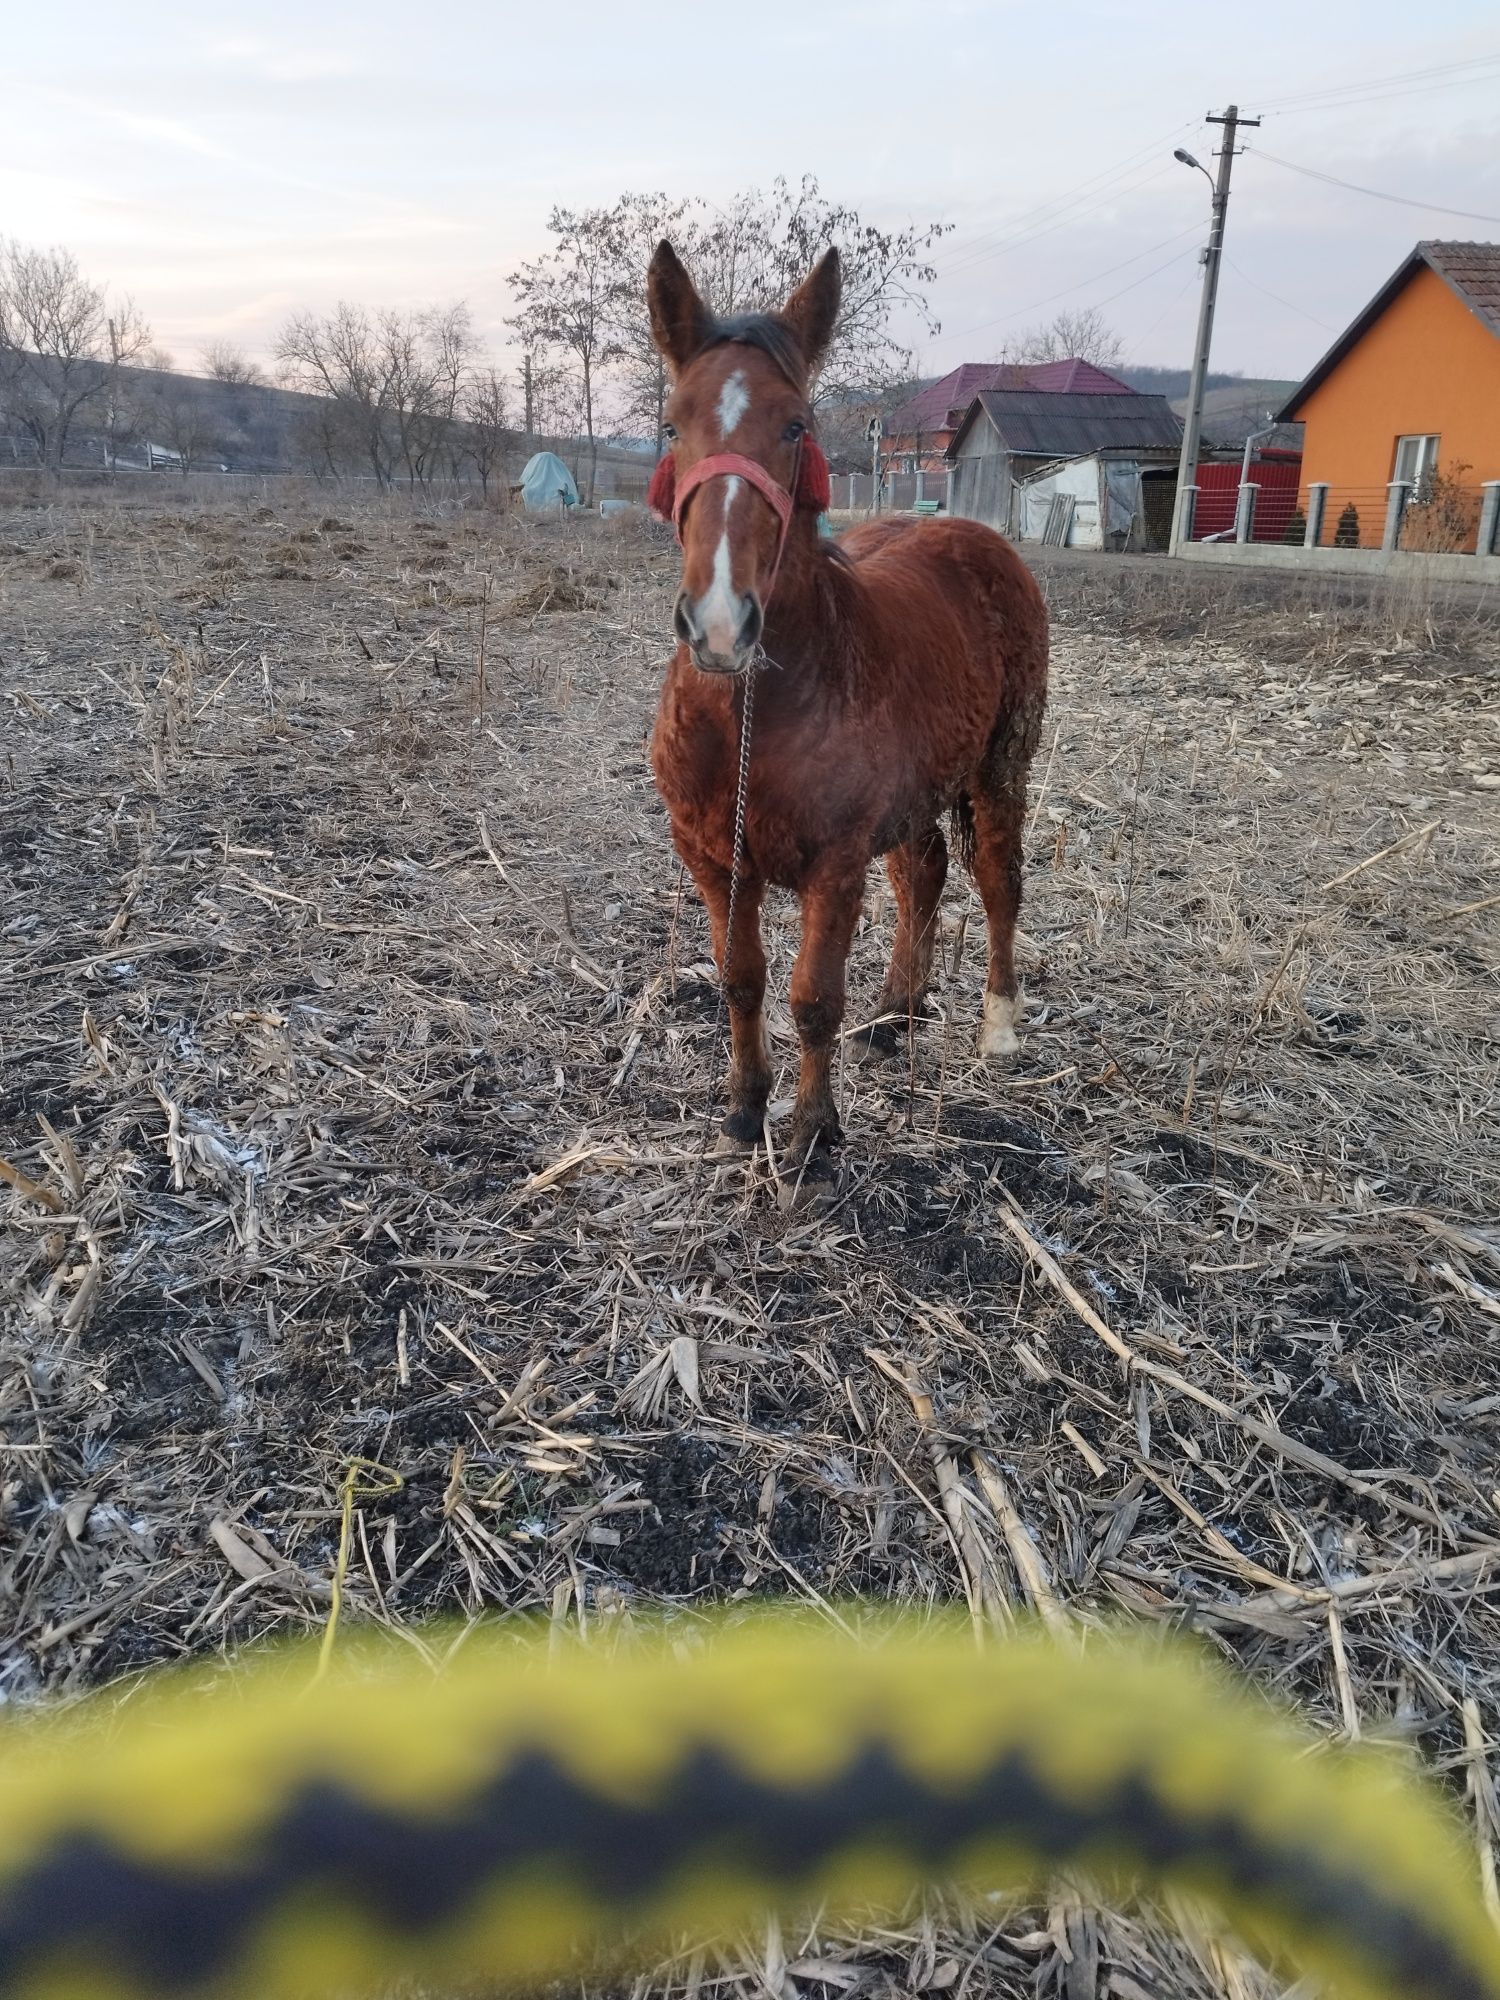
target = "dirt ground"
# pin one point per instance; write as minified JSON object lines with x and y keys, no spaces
{"x":357,"y":1040}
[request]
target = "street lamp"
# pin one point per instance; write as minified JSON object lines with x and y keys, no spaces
{"x":1188,"y":161}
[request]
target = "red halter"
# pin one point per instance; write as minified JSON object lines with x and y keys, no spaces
{"x":810,"y":488}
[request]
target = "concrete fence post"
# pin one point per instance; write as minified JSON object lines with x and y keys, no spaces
{"x":1399,"y":492}
{"x":1489,"y":520}
{"x":1317,"y":502}
{"x":921,"y":484}
{"x":1189,"y":514}
{"x":1244,"y":511}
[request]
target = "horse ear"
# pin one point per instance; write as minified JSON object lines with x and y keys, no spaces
{"x":680,"y":321}
{"x":813,"y":309}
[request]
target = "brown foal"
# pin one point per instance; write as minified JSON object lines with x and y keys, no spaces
{"x":904,"y":677}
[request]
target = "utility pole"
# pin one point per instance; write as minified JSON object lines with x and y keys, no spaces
{"x":874,"y":430}
{"x":1192,"y":430}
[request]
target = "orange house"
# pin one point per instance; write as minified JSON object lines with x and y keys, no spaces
{"x":1409,"y":392}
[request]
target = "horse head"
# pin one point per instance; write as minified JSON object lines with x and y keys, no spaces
{"x":742,"y":457}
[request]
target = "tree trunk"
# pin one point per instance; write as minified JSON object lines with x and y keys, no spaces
{"x":588,"y":421}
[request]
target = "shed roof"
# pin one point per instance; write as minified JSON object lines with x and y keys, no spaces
{"x":1037,"y":422}
{"x":941,"y":405}
{"x":1471,"y":271}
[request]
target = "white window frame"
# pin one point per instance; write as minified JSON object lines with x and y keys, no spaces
{"x":1416,"y":459}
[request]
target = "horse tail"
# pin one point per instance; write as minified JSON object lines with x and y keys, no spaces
{"x":961,"y":830}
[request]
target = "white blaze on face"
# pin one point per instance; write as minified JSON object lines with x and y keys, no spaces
{"x":721,"y":609}
{"x":734,"y":400}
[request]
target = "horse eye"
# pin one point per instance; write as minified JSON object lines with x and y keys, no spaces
{"x":794,"y":430}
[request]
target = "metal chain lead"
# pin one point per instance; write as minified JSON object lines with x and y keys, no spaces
{"x":737,"y":855}
{"x":741,"y":792}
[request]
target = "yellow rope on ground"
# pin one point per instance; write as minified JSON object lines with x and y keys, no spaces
{"x":350,"y":1489}
{"x":535,"y":1812}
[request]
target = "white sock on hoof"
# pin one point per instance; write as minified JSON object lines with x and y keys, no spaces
{"x":997,"y":1031}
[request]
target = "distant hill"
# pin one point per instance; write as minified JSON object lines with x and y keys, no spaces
{"x":1170,"y":382}
{"x":1239,"y":407}
{"x":254,"y":428}
{"x":244,"y":427}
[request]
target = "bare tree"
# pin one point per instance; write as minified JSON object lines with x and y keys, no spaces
{"x":455,"y":355}
{"x":180,"y":418}
{"x":569,"y":303}
{"x":337,"y":356}
{"x":640,"y":223}
{"x":224,"y":362}
{"x":485,"y":412}
{"x":758,"y":249}
{"x":396,"y":379}
{"x":61,"y":343}
{"x":1072,"y":336}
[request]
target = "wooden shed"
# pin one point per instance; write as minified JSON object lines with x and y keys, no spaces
{"x":1008,"y":434}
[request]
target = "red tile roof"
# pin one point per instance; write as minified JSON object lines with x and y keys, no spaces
{"x":1473,"y":270}
{"x":941,"y":406}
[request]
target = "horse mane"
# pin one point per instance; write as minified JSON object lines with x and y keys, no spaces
{"x":771,"y":335}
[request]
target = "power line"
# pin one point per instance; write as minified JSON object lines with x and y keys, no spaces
{"x":1490,"y":76}
{"x":1376,"y":194}
{"x":1004,"y":319}
{"x":1410,"y":77}
{"x":1172,"y":303}
{"x":1052,"y":214}
{"x":1290,"y":304}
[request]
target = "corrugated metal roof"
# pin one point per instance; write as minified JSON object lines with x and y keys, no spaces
{"x":1471,"y":271}
{"x":941,"y":405}
{"x":1032,"y":421}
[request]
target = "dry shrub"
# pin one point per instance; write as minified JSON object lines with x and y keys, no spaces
{"x":1443,"y":517}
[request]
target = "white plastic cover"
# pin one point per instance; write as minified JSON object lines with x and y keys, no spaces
{"x":547,"y":483}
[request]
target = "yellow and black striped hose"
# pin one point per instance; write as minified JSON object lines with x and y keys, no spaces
{"x":529,"y":1812}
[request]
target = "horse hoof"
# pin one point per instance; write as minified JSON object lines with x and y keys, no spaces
{"x":808,"y":1152}
{"x":876,"y":1044}
{"x":812,"y":1185}
{"x":998,"y":1040}
{"x":738,"y":1136}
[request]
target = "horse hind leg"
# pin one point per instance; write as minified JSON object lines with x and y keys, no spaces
{"x":917,"y":869}
{"x":999,"y":827}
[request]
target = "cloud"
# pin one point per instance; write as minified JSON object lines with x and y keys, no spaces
{"x":280,"y":63}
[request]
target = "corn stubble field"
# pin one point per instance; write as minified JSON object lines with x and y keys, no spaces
{"x":356,"y":1044}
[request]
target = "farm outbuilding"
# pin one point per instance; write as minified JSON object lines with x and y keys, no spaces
{"x":917,"y":435}
{"x":1095,"y":502}
{"x":1008,"y":436}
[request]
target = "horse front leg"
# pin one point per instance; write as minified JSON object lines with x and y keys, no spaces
{"x":741,"y":960}
{"x":830,"y":911}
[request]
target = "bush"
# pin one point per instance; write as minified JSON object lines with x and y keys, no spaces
{"x":1295,"y":531}
{"x":1442,"y":517}
{"x":1346,"y":535}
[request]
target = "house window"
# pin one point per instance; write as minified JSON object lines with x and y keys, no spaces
{"x":1416,"y":462}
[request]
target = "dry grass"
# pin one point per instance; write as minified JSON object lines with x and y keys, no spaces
{"x":355,"y":1047}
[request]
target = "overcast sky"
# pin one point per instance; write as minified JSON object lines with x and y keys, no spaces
{"x":226,"y":170}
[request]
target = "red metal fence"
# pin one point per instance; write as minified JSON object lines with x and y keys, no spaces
{"x":1275,"y":480}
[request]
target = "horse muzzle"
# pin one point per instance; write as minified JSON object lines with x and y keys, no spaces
{"x":719,"y":635}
